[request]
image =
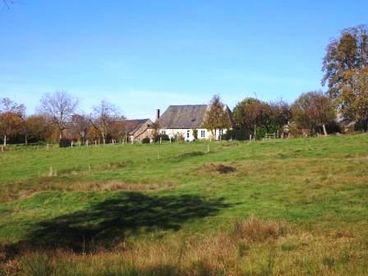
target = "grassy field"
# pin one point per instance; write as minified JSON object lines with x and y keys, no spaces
{"x":274,"y":207}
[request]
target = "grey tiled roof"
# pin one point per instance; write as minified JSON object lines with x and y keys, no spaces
{"x":183,"y":116}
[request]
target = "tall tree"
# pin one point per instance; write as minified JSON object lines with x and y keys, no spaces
{"x":251,"y":114}
{"x":346,"y":53}
{"x":313,"y":110}
{"x":37,"y":128}
{"x":59,"y":106}
{"x":345,"y":66}
{"x":217,"y":116}
{"x":103,"y":117}
{"x":280,"y":115}
{"x":117,"y":130}
{"x":353,"y":101}
{"x":80,"y":125}
{"x":11,"y":118}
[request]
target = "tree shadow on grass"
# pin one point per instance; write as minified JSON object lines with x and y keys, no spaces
{"x":111,"y":221}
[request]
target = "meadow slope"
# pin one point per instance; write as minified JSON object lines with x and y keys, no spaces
{"x":295,"y":206}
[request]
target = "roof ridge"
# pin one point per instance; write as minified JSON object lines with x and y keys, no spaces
{"x":188,"y":105}
{"x":145,"y":119}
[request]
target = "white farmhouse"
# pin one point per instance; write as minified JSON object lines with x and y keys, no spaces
{"x":187,"y":121}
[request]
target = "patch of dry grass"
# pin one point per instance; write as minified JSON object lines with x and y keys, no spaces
{"x":252,"y":247}
{"x":256,"y":230}
{"x":12,"y":191}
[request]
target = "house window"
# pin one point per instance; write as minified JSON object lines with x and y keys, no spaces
{"x":221,"y":132}
{"x":203,"y":133}
{"x":188,"y":134}
{"x":163,"y":132}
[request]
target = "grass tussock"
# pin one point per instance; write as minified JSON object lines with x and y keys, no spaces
{"x":257,"y":230}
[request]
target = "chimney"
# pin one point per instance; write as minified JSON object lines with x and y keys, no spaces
{"x":158,"y":114}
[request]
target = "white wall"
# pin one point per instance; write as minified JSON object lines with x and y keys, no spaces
{"x":184,"y":132}
{"x":172,"y":133}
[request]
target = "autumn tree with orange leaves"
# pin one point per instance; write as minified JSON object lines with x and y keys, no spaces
{"x":346,"y":75}
{"x":11,"y":118}
{"x":313,"y":110}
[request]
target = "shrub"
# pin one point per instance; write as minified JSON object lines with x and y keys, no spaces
{"x":162,"y":137}
{"x":236,"y":134}
{"x":195,"y":134}
{"x":165,"y":137}
{"x":179,"y":137}
{"x":146,"y":140}
{"x":361,"y":125}
{"x":65,"y":143}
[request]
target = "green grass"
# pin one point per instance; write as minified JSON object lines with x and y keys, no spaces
{"x":87,"y":198}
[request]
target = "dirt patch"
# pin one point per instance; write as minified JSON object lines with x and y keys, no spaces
{"x":219,"y":168}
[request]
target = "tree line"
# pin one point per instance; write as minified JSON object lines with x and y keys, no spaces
{"x":345,"y":68}
{"x":313,"y":113}
{"x":57,"y":120}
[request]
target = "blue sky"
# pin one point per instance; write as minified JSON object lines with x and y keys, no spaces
{"x":142,"y":55}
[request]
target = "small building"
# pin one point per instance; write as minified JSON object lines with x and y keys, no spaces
{"x":139,"y":129}
{"x":186,"y":122}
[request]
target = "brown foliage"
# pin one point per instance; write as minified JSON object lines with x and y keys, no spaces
{"x":217,"y":116}
{"x":11,"y":118}
{"x":346,"y":53}
{"x":38,"y":128}
{"x":313,"y":110}
{"x":353,"y":101}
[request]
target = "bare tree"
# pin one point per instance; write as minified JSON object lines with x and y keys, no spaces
{"x":7,"y":3}
{"x":118,"y":129}
{"x":80,"y":125}
{"x":103,"y":118}
{"x":59,"y":106}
